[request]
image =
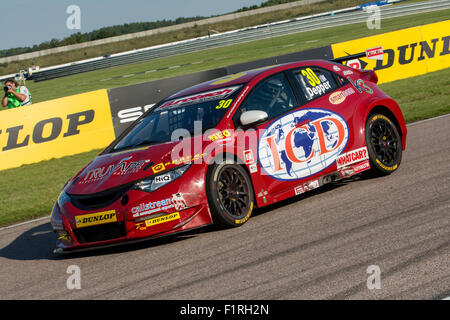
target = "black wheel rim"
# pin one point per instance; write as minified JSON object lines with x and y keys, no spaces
{"x":385,"y":142}
{"x":233,"y":191}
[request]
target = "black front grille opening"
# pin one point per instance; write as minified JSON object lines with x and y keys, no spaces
{"x":102,"y":232}
{"x":97,"y":200}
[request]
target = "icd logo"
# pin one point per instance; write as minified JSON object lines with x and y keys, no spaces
{"x":302,"y":143}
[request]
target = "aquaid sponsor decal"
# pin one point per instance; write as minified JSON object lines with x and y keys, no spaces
{"x":351,"y":157}
{"x":406,"y":53}
{"x":55,"y":129}
{"x":302,"y":143}
{"x":97,"y":218}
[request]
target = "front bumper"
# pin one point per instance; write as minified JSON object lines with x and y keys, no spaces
{"x":143,"y":216}
{"x":71,"y":239}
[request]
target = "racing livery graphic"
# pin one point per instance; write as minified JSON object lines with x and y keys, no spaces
{"x":212,"y":153}
{"x":302,"y":143}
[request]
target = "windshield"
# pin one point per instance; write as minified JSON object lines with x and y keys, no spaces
{"x":156,"y":127}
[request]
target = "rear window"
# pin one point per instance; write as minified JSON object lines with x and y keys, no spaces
{"x":315,"y":82}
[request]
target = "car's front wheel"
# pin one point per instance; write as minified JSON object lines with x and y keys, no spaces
{"x":383,"y":144}
{"x":230,"y":194}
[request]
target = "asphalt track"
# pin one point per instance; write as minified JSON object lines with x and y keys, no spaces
{"x":316,"y":246}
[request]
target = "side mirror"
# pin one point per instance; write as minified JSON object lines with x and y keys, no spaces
{"x":253,"y":117}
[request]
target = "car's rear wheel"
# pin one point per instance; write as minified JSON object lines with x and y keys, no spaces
{"x":230,"y":194}
{"x":383,"y":144}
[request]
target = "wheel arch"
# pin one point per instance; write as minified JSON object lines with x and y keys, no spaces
{"x":390,"y":109}
{"x":234,"y":157}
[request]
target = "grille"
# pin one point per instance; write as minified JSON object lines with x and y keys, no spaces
{"x":101,"y":232}
{"x":98,"y":200}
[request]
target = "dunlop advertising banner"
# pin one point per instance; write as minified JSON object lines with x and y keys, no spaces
{"x":407,"y":53}
{"x":55,"y":129}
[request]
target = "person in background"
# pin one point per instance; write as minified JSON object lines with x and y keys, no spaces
{"x":15,"y":95}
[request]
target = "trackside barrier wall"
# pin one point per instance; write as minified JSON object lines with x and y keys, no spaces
{"x":55,"y":129}
{"x":407,"y":52}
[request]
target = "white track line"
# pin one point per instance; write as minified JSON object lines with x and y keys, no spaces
{"x":26,"y":222}
{"x":426,"y":120}
{"x":46,"y":217}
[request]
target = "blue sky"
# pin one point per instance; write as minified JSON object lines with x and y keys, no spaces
{"x":28,"y":22}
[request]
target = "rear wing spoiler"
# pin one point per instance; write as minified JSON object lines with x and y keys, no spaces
{"x":372,"y":53}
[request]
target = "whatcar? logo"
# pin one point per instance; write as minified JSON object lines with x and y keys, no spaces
{"x":55,"y":124}
{"x":302,"y":143}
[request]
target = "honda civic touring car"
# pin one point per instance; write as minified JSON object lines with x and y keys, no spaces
{"x":212,"y":153}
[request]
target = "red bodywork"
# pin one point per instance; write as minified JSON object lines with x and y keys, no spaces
{"x":182,"y":204}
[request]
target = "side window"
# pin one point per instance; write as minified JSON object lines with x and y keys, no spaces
{"x":315,"y":82}
{"x":273,"y":95}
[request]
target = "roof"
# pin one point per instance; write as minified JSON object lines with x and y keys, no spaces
{"x":241,"y":77}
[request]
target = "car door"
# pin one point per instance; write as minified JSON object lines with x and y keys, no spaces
{"x":274,"y":95}
{"x":307,"y":128}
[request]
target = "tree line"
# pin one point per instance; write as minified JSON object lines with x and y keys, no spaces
{"x":267,"y":3}
{"x":112,"y":31}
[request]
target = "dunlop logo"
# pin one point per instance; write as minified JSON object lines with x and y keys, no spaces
{"x":417,"y":51}
{"x":46,"y":130}
{"x":95,"y":219}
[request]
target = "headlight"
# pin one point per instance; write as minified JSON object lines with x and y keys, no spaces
{"x":63,"y":196}
{"x":56,"y":219}
{"x":155,"y":182}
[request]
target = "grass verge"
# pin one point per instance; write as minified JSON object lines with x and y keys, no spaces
{"x":30,"y":191}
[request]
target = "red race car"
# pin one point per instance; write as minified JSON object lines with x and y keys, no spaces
{"x":213,"y":152}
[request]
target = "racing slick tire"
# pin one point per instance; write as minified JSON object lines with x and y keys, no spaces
{"x":384,"y":145}
{"x":230,"y":194}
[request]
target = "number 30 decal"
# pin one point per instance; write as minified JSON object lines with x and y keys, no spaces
{"x":311,"y":76}
{"x":223,"y":104}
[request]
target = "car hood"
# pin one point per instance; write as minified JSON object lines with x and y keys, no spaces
{"x":111,"y":170}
